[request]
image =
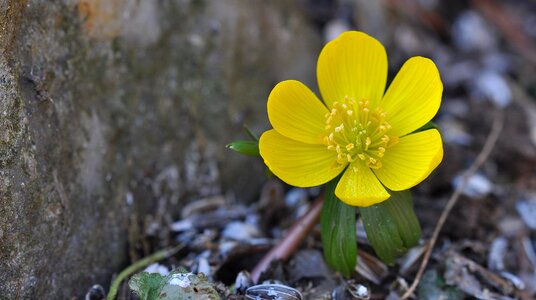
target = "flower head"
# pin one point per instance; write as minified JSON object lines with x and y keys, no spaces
{"x":358,"y":129}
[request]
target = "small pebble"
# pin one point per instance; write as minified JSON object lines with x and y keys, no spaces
{"x":182,"y":225}
{"x":497,"y":253}
{"x":518,"y":282}
{"x":242,"y":282}
{"x":96,"y":292}
{"x":225,"y":247}
{"x":334,"y":28}
{"x":491,"y":85}
{"x":203,"y":267}
{"x":527,"y":211}
{"x":453,"y":132}
{"x":358,"y":290}
{"x":295,"y":196}
{"x":471,"y":32}
{"x":157,"y":268}
{"x":240,"y":231}
{"x":477,"y":186}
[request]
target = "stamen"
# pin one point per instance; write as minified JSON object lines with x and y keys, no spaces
{"x":381,"y":151}
{"x":356,"y":131}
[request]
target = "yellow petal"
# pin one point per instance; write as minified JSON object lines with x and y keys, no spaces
{"x":296,"y":112}
{"x":413,"y":97}
{"x":354,"y":65}
{"x":410,"y":161}
{"x":360,"y":187}
{"x":297,"y":163}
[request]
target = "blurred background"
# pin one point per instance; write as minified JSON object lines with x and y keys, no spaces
{"x":114,"y":118}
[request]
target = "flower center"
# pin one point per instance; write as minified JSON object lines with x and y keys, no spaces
{"x":355,"y":131}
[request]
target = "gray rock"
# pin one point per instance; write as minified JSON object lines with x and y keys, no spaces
{"x":470,"y":32}
{"x":97,"y":98}
{"x":527,"y":210}
{"x":491,"y":85}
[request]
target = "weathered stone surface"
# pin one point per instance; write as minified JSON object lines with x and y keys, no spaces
{"x":110,"y":107}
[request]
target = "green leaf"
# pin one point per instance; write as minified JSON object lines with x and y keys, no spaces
{"x":177,"y":285}
{"x":392,"y":226}
{"x":427,"y":126}
{"x":338,"y":229}
{"x":245,"y":147}
{"x":400,"y":206}
{"x":147,"y":285}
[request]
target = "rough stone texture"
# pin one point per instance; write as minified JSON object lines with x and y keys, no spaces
{"x":110,"y":107}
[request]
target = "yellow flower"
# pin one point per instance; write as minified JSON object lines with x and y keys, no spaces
{"x":358,"y":129}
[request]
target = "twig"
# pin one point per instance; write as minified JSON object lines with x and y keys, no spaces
{"x":291,"y":241}
{"x":497,"y":126}
{"x":142,"y":263}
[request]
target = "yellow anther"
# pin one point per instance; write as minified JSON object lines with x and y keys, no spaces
{"x":381,"y":151}
{"x":357,"y":136}
{"x":375,"y":165}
